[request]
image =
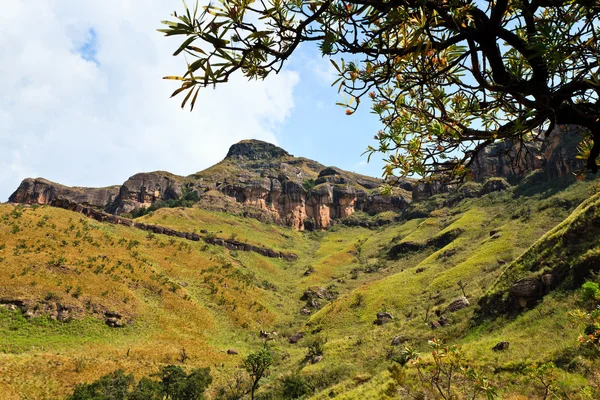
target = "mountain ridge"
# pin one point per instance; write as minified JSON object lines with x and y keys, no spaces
{"x":262,"y":177}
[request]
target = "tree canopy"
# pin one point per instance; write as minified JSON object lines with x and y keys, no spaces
{"x":446,"y":77}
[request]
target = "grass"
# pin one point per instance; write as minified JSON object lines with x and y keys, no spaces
{"x":206,"y":299}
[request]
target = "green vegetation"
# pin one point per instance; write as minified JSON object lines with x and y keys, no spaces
{"x":82,"y":300}
{"x":172,"y":384}
{"x":187,"y":199}
{"x":308,"y":184}
{"x":433,"y":70}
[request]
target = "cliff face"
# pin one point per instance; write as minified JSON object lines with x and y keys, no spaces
{"x":507,"y":160}
{"x":141,"y":190}
{"x":42,"y":191}
{"x":265,"y":180}
{"x":554,"y":154}
{"x":295,"y":191}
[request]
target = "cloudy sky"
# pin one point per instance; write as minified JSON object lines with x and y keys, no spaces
{"x":82,"y":101}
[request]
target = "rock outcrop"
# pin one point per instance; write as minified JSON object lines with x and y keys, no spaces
{"x":142,"y":190}
{"x":256,"y":150}
{"x":554,"y":154}
{"x":256,"y":179}
{"x":42,"y":191}
{"x":560,"y":151}
{"x":507,"y":160}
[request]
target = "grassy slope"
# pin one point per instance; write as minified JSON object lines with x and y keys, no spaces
{"x":228,"y":297}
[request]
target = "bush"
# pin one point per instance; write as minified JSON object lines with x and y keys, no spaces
{"x":308,"y":184}
{"x":590,"y":293}
{"x":173,"y":384}
{"x":316,"y":347}
{"x":294,"y":387}
{"x":113,"y":386}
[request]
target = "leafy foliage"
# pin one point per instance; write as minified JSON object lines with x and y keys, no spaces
{"x":257,"y":364}
{"x":437,"y":77}
{"x":174,"y":384}
{"x":449,"y":375}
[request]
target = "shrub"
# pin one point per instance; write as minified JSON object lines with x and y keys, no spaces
{"x":113,"y":386}
{"x":316,"y":347}
{"x":174,"y":384}
{"x":590,"y":293}
{"x":308,"y":184}
{"x":448,"y":378}
{"x":294,"y":386}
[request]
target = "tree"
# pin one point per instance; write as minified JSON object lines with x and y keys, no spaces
{"x":446,"y":77}
{"x":177,"y":385}
{"x":257,"y":364}
{"x":112,"y":386}
{"x":146,"y":389}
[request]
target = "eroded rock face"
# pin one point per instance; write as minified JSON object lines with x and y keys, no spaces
{"x":42,"y":191}
{"x":507,"y":159}
{"x":261,"y":179}
{"x":141,"y":190}
{"x":255,"y":150}
{"x":560,"y":151}
{"x":554,"y":154}
{"x":425,"y":190}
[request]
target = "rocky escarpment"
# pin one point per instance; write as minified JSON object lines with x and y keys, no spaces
{"x":261,"y":177}
{"x":230,"y":244}
{"x":554,"y":154}
{"x":42,"y":191}
{"x":142,"y":190}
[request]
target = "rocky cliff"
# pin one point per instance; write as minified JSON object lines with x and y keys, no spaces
{"x":262,"y":178}
{"x":554,"y":154}
{"x":42,"y":191}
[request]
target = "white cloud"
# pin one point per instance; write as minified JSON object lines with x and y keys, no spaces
{"x":99,"y":121}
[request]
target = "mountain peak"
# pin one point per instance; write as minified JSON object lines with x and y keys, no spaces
{"x":253,"y":149}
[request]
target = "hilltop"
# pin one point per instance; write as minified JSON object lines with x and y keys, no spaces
{"x":255,"y":178}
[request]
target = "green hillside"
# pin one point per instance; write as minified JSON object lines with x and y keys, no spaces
{"x":66,"y":278}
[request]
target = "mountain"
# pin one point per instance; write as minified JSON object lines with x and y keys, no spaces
{"x":264,"y":179}
{"x":501,"y":270}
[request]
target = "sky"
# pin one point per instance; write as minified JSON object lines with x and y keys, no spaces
{"x":83,"y":102}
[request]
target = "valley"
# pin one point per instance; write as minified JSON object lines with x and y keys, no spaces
{"x":82,"y":298}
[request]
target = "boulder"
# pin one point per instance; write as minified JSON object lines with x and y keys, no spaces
{"x":527,"y":288}
{"x":501,"y":346}
{"x":457,"y":304}
{"x":316,"y":292}
{"x":435,"y":325}
{"x":267,"y":335}
{"x":398,"y":340}
{"x":549,"y":281}
{"x":317,"y":359}
{"x":495,"y":184}
{"x":383,"y":318}
{"x":295,"y":338}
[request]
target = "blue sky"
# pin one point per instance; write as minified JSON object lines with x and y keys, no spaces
{"x":82,"y":101}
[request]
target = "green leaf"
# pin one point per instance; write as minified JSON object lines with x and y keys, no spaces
{"x":335,"y":65}
{"x":194,"y":99}
{"x":186,"y":98}
{"x":184,"y":45}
